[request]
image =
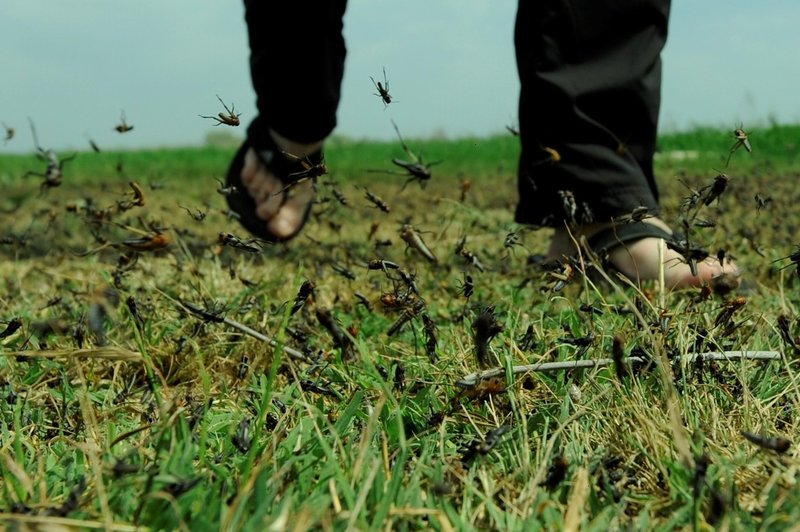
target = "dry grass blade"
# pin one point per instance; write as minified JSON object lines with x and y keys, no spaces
{"x":56,"y":524}
{"x":577,"y":500}
{"x":104,"y":353}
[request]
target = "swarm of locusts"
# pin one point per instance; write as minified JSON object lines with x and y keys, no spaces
{"x":408,"y":356}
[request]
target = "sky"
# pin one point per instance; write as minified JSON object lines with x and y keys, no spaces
{"x":74,"y":65}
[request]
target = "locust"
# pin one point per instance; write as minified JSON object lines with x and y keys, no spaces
{"x":562,"y":277}
{"x":343,"y":271}
{"x":154,"y":241}
{"x":384,"y":265}
{"x":54,"y":173}
{"x":410,"y":311}
{"x":415,"y":169}
{"x":363,"y":300}
{"x":10,"y":132}
{"x":761,"y":202}
{"x":484,"y":446}
{"x":512,"y":240}
{"x":408,"y":280}
{"x":690,"y":202}
{"x":340,"y":197}
{"x":727,"y":312}
{"x":779,"y":445}
{"x":231,"y":240}
{"x":242,"y":439}
{"x":197,"y":215}
{"x":467,"y":255}
{"x":399,"y":377}
{"x":305,"y":292}
{"x":580,"y":341}
{"x":93,"y":145}
{"x":413,"y":239}
{"x":556,"y":473}
{"x":485,"y":327}
{"x":226,"y":191}
{"x":123,"y":126}
{"x":528,"y":340}
{"x":429,"y":327}
{"x":569,"y":206}
{"x":340,"y":338}
{"x":464,"y":187}
{"x":550,"y":156}
{"x":467,"y":287}
{"x":714,"y":190}
{"x":243,"y":367}
{"x":181,"y":486}
{"x":742,"y":140}
{"x":638,"y":214}
{"x":229,"y":119}
{"x":784,"y":328}
{"x":691,"y":254}
{"x":12,"y":326}
{"x":136,"y":201}
{"x":794,"y":258}
{"x":701,"y":464}
{"x":383,"y":90}
{"x":310,"y":171}
{"x":312,"y":387}
{"x":377,"y":201}
{"x":480,"y":389}
{"x":617,"y":352}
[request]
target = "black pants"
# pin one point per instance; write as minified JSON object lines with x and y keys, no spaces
{"x":590,"y":74}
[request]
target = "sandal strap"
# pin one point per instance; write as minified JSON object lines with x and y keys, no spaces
{"x":617,"y":235}
{"x":282,"y":166}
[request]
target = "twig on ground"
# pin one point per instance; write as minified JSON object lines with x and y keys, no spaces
{"x":474,"y":378}
{"x":208,"y":316}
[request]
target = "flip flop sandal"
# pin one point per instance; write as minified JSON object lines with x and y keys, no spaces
{"x":604,"y":241}
{"x":286,"y":169}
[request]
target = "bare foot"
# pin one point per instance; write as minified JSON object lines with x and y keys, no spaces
{"x":639,"y":260}
{"x":282,"y":212}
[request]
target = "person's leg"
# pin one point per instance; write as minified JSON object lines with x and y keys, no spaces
{"x":590,"y":73}
{"x":297,"y":56}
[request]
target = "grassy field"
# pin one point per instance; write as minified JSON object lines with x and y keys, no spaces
{"x":120,"y":408}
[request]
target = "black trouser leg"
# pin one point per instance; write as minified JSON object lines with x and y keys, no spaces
{"x":590,"y":73}
{"x":296,"y":61}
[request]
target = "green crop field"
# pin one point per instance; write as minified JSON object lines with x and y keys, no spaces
{"x":120,"y":407}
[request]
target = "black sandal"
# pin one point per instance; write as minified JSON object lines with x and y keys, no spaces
{"x":281,"y":166}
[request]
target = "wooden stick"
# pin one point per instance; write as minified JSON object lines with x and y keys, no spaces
{"x":208,"y":316}
{"x":473,"y":378}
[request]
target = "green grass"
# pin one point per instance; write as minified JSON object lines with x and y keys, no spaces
{"x":143,"y":432}
{"x":776,"y":149}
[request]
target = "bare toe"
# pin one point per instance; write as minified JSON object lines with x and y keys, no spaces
{"x":269,"y":198}
{"x":292,"y":213}
{"x":249,"y":168}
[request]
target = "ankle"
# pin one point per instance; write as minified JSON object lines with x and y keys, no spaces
{"x":298,"y":149}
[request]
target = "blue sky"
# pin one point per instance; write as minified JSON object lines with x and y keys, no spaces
{"x":73,"y":65}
